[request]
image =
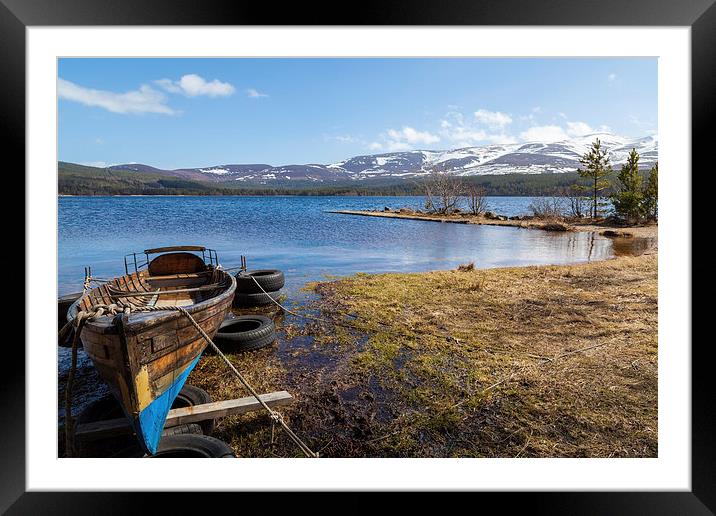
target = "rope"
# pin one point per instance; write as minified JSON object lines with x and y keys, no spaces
{"x":79,"y":321}
{"x":275,"y":416}
{"x":98,"y":310}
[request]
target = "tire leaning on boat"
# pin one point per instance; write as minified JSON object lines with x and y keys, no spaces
{"x":108,"y":407}
{"x":189,"y":396}
{"x":245,"y":333}
{"x":271,"y":280}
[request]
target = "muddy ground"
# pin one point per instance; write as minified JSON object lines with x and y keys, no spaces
{"x":548,"y":361}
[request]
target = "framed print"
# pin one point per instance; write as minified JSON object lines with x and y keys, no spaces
{"x":413,"y":250}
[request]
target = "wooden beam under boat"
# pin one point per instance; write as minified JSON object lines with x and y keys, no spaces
{"x":184,"y":415}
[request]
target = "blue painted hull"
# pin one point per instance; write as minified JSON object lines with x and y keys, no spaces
{"x":150,"y":423}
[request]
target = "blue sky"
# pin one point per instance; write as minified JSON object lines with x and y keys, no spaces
{"x":173,"y":113}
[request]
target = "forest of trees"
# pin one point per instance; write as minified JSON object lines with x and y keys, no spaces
{"x":632,"y":194}
{"x":81,"y":180}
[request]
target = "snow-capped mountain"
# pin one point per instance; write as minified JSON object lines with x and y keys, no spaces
{"x":513,"y":158}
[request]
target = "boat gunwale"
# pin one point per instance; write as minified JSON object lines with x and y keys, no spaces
{"x":106,"y":324}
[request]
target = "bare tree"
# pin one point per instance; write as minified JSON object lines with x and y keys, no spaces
{"x":577,"y":205}
{"x":547,"y":207}
{"x":476,"y":199}
{"x":442,"y":191}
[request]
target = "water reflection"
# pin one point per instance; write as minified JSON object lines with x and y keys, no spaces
{"x":297,"y":234}
{"x":633,"y":246}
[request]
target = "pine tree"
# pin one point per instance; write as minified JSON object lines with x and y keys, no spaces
{"x":597,"y":169}
{"x":650,"y":202}
{"x":628,"y":199}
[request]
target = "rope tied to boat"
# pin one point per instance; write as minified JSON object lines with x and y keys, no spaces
{"x":275,"y":416}
{"x":78,"y":322}
{"x":112,"y":309}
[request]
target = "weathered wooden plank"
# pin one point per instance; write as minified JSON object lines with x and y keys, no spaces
{"x":225,"y":408}
{"x":180,"y":416}
{"x":175,"y":248}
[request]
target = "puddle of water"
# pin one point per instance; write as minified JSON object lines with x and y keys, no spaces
{"x":632,"y":246}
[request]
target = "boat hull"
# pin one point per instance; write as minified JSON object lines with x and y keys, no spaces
{"x":150,"y":423}
{"x":145,"y":357}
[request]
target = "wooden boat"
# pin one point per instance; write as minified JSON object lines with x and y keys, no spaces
{"x":145,"y":357}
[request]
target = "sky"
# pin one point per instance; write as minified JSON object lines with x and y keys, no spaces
{"x":185,"y":113}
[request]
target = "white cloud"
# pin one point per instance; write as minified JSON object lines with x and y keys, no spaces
{"x":554,"y":133}
{"x":407,"y":138}
{"x":168,"y":85}
{"x":612,"y":77}
{"x":483,"y":127}
{"x":463,"y":136}
{"x":342,"y":138}
{"x":544,"y":133}
{"x":578,"y":129}
{"x":193,"y":85}
{"x":143,"y":100}
{"x":493,"y":119}
{"x":490,"y":128}
{"x":255,"y":94}
{"x":410,"y":135}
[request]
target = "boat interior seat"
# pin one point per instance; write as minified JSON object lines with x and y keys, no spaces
{"x":176,"y":263}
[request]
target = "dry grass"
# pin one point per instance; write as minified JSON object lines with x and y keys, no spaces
{"x":551,"y":361}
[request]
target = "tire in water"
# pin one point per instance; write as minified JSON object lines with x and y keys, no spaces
{"x":270,"y":280}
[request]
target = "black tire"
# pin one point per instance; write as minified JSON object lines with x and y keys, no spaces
{"x":69,"y":338}
{"x":192,"y":445}
{"x":103,"y":409}
{"x":247,"y":300}
{"x":270,"y":280}
{"x":189,"y":428}
{"x":245,"y":333}
{"x":190,"y":396}
{"x":63,"y":305}
{"x":108,"y":407}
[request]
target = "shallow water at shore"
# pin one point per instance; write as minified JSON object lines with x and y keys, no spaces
{"x":297,"y":235}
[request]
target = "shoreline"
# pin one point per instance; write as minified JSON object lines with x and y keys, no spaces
{"x":543,"y":361}
{"x":546,"y":364}
{"x":644,"y":231}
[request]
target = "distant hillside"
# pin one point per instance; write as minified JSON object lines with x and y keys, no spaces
{"x":76,"y":179}
{"x":499,"y":159}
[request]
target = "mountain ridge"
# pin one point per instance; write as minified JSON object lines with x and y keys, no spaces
{"x":495,"y":159}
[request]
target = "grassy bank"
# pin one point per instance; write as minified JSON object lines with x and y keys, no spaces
{"x":549,"y":361}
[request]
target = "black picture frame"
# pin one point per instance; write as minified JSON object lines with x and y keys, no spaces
{"x":700,"y":15}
